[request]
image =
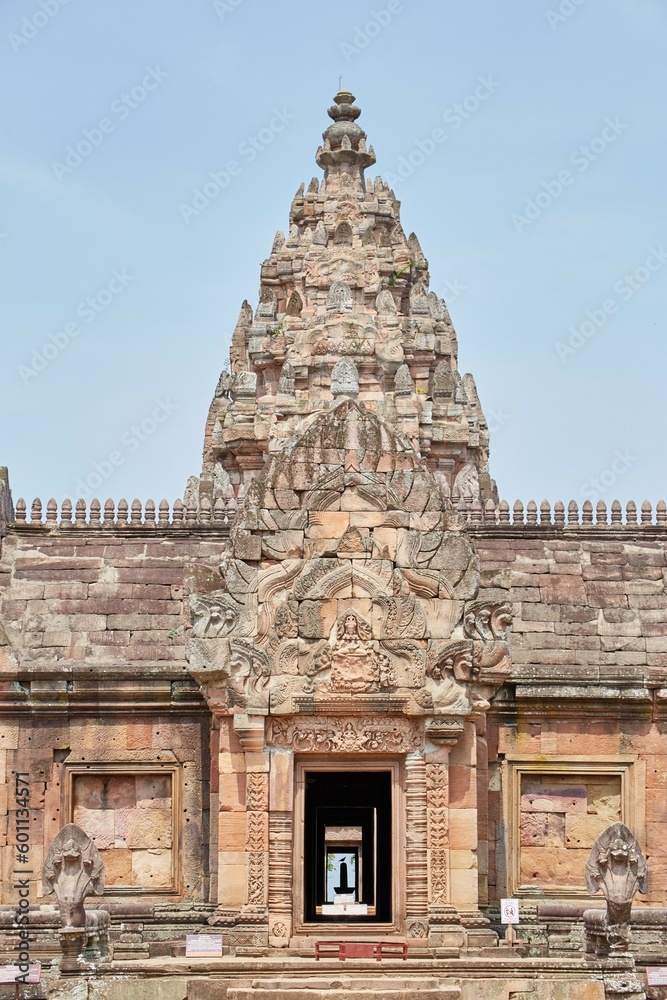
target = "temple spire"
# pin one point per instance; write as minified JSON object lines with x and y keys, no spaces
{"x":345,"y":310}
{"x":344,"y":150}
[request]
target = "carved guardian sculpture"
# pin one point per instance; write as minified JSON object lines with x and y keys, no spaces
{"x":617,"y":867}
{"x":73,"y":869}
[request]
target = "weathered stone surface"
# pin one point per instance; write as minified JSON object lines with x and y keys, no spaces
{"x":151,"y":868}
{"x":148,"y":828}
{"x":117,"y":866}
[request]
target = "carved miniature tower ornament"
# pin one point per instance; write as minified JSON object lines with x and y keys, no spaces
{"x":346,"y":615}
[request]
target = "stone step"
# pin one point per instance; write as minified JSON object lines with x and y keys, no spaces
{"x":326,"y":993}
{"x":342,"y":979}
{"x":381,"y":987}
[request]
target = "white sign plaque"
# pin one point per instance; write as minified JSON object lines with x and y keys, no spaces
{"x":656,"y":975}
{"x":13,"y":974}
{"x":203,"y":945}
{"x":509,"y":911}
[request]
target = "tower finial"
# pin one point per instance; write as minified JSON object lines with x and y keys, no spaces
{"x":344,"y":149}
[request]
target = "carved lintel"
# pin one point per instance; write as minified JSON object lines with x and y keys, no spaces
{"x":445,"y":729}
{"x":346,"y":734}
{"x":250,"y":731}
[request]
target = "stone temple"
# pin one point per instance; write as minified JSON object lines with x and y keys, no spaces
{"x":340,"y":695}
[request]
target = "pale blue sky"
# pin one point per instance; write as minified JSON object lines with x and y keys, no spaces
{"x":203,"y":77}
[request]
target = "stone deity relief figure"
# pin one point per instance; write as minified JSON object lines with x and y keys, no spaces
{"x":73,"y":869}
{"x":617,"y":866}
{"x":355,"y":665}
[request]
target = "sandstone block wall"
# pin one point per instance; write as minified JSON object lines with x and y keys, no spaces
{"x":93,"y":680}
{"x":589,"y":679}
{"x":91,"y":662}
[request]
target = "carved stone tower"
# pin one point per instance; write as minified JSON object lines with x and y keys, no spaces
{"x":344,"y":642}
{"x":345,"y":309}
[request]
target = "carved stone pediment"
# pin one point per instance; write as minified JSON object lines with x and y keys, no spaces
{"x":348,"y":578}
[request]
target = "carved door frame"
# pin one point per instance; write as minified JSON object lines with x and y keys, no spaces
{"x":348,"y":762}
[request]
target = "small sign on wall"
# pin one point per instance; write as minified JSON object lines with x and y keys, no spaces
{"x":656,"y":975}
{"x":19,"y":975}
{"x":509,"y":911}
{"x":203,"y":946}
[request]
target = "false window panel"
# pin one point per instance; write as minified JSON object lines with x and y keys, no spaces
{"x":130,"y":814}
{"x":556,"y":809}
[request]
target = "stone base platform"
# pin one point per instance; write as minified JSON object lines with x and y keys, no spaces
{"x":500,"y":977}
{"x":347,"y":987}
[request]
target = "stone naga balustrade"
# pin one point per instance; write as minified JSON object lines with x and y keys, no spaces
{"x":186,"y":514}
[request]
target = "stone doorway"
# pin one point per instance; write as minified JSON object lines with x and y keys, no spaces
{"x":348,"y":847}
{"x":349,"y":854}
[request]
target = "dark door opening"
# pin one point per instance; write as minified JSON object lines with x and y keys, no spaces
{"x":347,"y":846}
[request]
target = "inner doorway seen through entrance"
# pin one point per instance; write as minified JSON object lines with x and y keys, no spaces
{"x":347,"y":847}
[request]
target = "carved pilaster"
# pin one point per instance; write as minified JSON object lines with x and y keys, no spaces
{"x":438,"y":832}
{"x":416,"y":853}
{"x":280,"y":878}
{"x":257,"y":836}
{"x":257,"y":792}
{"x":445,"y":928}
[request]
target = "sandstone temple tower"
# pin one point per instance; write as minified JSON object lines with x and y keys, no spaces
{"x":349,"y":622}
{"x":339,"y":692}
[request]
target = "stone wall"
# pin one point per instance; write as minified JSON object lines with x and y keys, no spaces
{"x":589,"y":681}
{"x":98,"y":706}
{"x":93,"y":672}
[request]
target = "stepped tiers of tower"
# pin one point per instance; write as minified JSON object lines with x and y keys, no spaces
{"x":339,"y":648}
{"x":345,"y":308}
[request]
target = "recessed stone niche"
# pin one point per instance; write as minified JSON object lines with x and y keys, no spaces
{"x":130,"y":819}
{"x":561,"y":818}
